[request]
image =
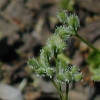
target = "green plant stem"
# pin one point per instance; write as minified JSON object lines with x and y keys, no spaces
{"x":57,"y":72}
{"x":67,"y":88}
{"x":90,"y":45}
{"x":59,"y":85}
{"x":57,"y":67}
{"x":60,"y":93}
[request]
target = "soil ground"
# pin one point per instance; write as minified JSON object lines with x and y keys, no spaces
{"x":25,"y":26}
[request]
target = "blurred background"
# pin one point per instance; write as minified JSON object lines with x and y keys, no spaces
{"x":25,"y":26}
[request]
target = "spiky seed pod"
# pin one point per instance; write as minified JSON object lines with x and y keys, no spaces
{"x":33,"y":63}
{"x":62,"y":65}
{"x":61,"y":77}
{"x":55,"y":45}
{"x":44,"y":53}
{"x":73,"y":21}
{"x":51,"y":46}
{"x":44,"y":60}
{"x":50,"y":72}
{"x":74,"y":69}
{"x":68,"y":76}
{"x":62,"y":15}
{"x":63,"y":32}
{"x":78,"y":77}
{"x":41,"y":72}
{"x":96,"y":77}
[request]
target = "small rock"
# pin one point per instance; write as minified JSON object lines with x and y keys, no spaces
{"x":9,"y":93}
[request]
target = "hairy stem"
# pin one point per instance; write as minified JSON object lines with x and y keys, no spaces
{"x":57,"y":71}
{"x":67,"y":88}
{"x":57,"y":67}
{"x":60,"y":93}
{"x":90,"y":45}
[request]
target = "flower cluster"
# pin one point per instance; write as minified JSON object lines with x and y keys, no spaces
{"x":71,"y":23}
{"x":55,"y":45}
{"x":68,"y":73}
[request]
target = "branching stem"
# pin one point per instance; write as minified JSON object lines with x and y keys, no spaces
{"x":60,"y":93}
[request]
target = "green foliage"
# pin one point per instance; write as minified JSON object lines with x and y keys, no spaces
{"x":33,"y":63}
{"x":94,"y":65}
{"x":94,"y":62}
{"x":68,"y":73}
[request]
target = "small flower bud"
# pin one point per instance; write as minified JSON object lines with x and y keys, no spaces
{"x":68,"y":76}
{"x":33,"y":63}
{"x":96,"y":77}
{"x":78,"y":77}
{"x":73,"y":21}
{"x":55,"y":45}
{"x":41,"y":71}
{"x":50,"y":72}
{"x":61,"y":77}
{"x":62,"y":16}
{"x":63,"y":32}
{"x":73,"y":70}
